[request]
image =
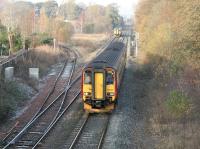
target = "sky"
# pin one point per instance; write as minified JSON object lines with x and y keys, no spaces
{"x":126,"y":7}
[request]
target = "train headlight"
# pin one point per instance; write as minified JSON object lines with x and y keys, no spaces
{"x":110,"y":94}
{"x":87,"y":93}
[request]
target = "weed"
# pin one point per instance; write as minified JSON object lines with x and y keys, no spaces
{"x":177,"y":103}
{"x":10,"y":96}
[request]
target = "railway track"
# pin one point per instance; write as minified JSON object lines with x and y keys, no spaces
{"x":57,"y":86}
{"x":47,"y":114}
{"x":52,"y":110}
{"x":49,"y":98}
{"x":89,"y":133}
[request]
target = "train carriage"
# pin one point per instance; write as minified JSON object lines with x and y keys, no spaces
{"x":101,"y":79}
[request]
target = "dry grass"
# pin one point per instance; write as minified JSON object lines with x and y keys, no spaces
{"x":88,"y":44}
{"x":170,"y":131}
{"x":41,"y":57}
{"x":46,"y":55}
{"x":46,"y":49}
{"x":89,"y":37}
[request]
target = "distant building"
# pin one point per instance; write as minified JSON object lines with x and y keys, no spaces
{"x":78,"y":24}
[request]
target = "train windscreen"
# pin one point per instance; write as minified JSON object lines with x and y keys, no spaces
{"x":109,"y":78}
{"x":88,"y":77}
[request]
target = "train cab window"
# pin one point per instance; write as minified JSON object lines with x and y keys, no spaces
{"x":109,"y":78}
{"x":88,"y":77}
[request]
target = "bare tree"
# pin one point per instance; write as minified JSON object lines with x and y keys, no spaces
{"x":8,"y":21}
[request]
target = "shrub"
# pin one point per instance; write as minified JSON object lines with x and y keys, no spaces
{"x":27,"y":43}
{"x":10,"y":97}
{"x":89,"y":28}
{"x":17,"y":42}
{"x":4,"y":44}
{"x":177,"y":103}
{"x":47,"y":40}
{"x":41,"y":38}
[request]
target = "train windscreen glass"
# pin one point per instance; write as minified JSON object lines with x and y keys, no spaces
{"x":109,"y":78}
{"x":88,"y":77}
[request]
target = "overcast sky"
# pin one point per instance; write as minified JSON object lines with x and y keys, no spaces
{"x":125,"y":6}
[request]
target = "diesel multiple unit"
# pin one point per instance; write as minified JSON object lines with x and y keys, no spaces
{"x":101,"y":78}
{"x":117,"y":32}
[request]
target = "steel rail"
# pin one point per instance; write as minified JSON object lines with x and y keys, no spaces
{"x":52,"y":90}
{"x":103,"y":134}
{"x":56,"y":120}
{"x":81,"y":129}
{"x":45,"y":100}
{"x":79,"y":132}
{"x":61,"y":105}
{"x":39,"y":113}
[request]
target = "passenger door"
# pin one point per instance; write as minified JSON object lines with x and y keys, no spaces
{"x":98,"y":85}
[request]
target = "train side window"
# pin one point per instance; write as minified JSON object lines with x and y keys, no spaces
{"x":88,"y":77}
{"x":109,"y":78}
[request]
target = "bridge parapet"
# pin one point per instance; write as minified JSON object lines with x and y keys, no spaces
{"x":8,"y":60}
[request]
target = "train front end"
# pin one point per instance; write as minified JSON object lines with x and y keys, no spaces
{"x":117,"y":32}
{"x":99,"y":89}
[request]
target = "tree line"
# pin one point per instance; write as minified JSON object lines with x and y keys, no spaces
{"x":169,"y":35}
{"x":26,"y":24}
{"x":170,"y":29}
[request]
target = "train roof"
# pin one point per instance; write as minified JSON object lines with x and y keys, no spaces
{"x":110,"y":57}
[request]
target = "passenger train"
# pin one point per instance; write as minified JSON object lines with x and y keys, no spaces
{"x":117,"y":32}
{"x":102,"y":77}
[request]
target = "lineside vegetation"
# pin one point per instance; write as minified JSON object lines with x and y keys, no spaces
{"x":170,"y":50}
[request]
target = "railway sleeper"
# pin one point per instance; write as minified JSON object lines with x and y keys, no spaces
{"x":20,"y":147}
{"x":23,"y":145}
{"x":25,"y":142}
{"x":39,"y":126}
{"x":36,"y":132}
{"x":43,"y":123}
